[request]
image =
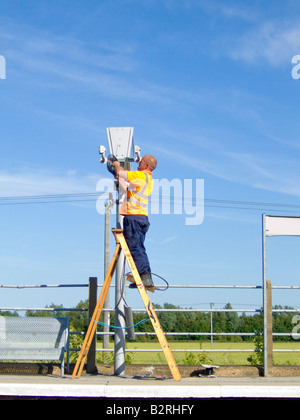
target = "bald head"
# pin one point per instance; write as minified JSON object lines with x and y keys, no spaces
{"x":151,"y":161}
{"x":147,"y":162}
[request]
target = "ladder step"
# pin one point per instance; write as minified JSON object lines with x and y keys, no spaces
{"x":121,"y":244}
{"x":149,"y":308}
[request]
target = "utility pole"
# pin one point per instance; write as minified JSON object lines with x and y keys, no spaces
{"x":120,"y":141}
{"x":119,"y":361}
{"x":106,"y":314}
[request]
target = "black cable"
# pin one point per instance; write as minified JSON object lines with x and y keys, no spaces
{"x":158,"y":288}
{"x":207,"y":202}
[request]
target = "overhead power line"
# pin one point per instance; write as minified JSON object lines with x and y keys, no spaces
{"x":207,"y":202}
{"x":47,"y":198}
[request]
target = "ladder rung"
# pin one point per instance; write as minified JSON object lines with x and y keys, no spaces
{"x":121,"y":243}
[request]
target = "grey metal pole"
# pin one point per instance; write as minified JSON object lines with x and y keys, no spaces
{"x":91,"y":357}
{"x":107,"y":233}
{"x":264,"y":286}
{"x":120,"y":144}
{"x":119,"y":362}
{"x":211,"y":325}
{"x":269,"y":326}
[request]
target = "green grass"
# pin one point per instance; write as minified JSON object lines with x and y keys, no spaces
{"x":200,"y":353}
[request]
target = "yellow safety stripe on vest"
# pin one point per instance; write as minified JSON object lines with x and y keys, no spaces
{"x":140,"y":195}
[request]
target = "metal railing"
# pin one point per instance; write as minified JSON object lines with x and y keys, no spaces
{"x":211,"y":334}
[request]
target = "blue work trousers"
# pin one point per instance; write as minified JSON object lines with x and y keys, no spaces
{"x":135,"y":228}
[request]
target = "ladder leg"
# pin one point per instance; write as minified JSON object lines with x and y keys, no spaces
{"x":149,"y":307}
{"x":96,"y":315}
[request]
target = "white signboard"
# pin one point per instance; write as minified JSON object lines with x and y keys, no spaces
{"x":282,"y":226}
{"x":120,"y":141}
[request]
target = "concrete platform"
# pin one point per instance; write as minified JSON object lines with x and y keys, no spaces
{"x":110,"y":387}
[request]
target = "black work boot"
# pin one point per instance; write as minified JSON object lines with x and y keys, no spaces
{"x":146,"y":280}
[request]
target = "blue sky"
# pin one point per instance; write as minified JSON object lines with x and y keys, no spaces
{"x":206,"y":85}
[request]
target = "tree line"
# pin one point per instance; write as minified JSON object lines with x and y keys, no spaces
{"x":181,"y":322}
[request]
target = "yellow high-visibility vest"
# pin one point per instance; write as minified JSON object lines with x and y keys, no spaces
{"x":138,"y":193}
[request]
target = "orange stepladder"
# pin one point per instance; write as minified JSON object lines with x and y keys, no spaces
{"x":121,"y":245}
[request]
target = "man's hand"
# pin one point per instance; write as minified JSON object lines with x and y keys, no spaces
{"x":113,"y":167}
{"x":116,"y":169}
{"x":116,"y":165}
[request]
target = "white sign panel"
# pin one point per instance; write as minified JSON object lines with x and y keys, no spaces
{"x":120,"y":141}
{"x":282,"y":226}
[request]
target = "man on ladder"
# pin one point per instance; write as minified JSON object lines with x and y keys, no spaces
{"x":138,"y":187}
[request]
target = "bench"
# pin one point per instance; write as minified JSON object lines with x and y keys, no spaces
{"x":34,"y":338}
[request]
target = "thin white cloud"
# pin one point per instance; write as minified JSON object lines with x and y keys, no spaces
{"x":169,"y":239}
{"x":31,"y":46}
{"x":31,"y":182}
{"x":62,"y":63}
{"x":264,"y":171}
{"x":274,"y":42}
{"x":215,"y":8}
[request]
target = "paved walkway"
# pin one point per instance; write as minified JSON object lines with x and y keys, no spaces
{"x":128,"y":387}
